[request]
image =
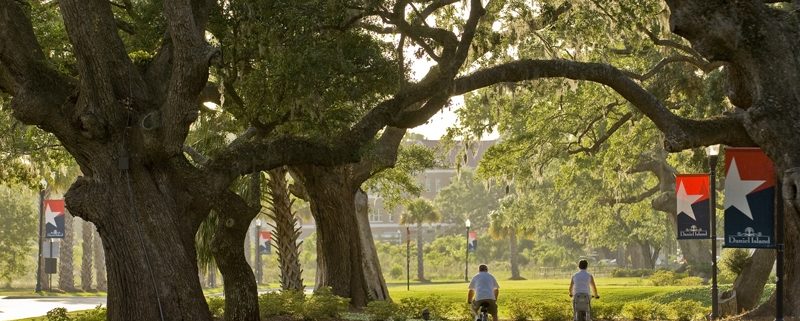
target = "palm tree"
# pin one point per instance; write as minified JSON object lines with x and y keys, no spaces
{"x":504,"y":223}
{"x":418,"y":212}
{"x":286,"y":230}
{"x":86,"y":260}
{"x":100,"y":262}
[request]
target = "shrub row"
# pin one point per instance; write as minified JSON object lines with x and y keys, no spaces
{"x":412,"y":308}
{"x":664,"y":278}
{"x":60,"y":314}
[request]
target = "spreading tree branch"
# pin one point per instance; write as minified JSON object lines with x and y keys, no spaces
{"x":383,"y":156}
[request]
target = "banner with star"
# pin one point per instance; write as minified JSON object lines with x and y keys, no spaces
{"x":54,"y":219}
{"x":472,"y":241}
{"x":264,"y":240}
{"x":692,"y":194}
{"x":749,"y":199}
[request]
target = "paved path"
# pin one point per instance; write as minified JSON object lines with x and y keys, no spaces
{"x":12,"y":309}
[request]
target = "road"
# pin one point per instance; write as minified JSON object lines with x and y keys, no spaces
{"x":12,"y":309}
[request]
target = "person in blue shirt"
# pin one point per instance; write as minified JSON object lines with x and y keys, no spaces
{"x":483,"y":289}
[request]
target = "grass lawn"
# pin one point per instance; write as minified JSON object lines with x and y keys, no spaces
{"x":15,"y":292}
{"x":612,"y":290}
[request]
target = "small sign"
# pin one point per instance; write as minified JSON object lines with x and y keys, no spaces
{"x":693,"y":216}
{"x":54,"y":219}
{"x":472,"y":241}
{"x":50,"y":265}
{"x":749,"y":199}
{"x":264,"y":242}
{"x":51,"y":249}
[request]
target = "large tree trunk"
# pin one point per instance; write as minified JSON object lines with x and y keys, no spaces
{"x":100,"y":263}
{"x":241,"y":292}
{"x":372,"y":267}
{"x":86,"y":258}
{"x":66,"y":276}
{"x":749,"y":284}
{"x":287,"y":231}
{"x":341,"y":256}
{"x":641,"y":255}
{"x":513,"y":255}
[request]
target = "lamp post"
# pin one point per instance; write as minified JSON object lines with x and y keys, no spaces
{"x":408,"y":258}
{"x":713,"y":152}
{"x":466,"y":258}
{"x":42,"y":192}
{"x":258,"y":251}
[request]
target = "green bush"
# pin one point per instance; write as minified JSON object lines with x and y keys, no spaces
{"x":396,"y":272}
{"x":645,"y":311}
{"x":520,"y":310}
{"x":550,"y":311}
{"x":734,"y":260}
{"x":606,"y":311}
{"x":691,"y":281}
{"x":216,"y":304}
{"x":412,"y":307}
{"x":663,"y":278}
{"x":324,"y":305}
{"x":688,"y":310}
{"x":281,"y":303}
{"x":459,"y":312}
{"x":625,"y":273}
{"x":58,"y":314}
{"x":384,"y":311}
{"x":96,"y":314}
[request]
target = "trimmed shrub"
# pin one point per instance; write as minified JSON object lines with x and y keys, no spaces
{"x":459,"y":312}
{"x":281,"y":303}
{"x":216,"y":304}
{"x":734,"y":260}
{"x":396,"y":272}
{"x":96,"y":314}
{"x":645,"y":311}
{"x":58,"y":314}
{"x":384,"y":311}
{"x":412,"y":307}
{"x":688,"y":310}
{"x":324,"y":305}
{"x":520,"y":310}
{"x":691,"y":281}
{"x":606,"y":311}
{"x":663,"y":278}
{"x":625,"y":273}
{"x":550,"y":311}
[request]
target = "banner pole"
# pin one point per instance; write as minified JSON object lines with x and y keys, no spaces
{"x":779,"y":248}
{"x":712,"y":162}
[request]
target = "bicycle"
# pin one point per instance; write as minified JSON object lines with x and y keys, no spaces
{"x":582,"y":306}
{"x":484,"y":314}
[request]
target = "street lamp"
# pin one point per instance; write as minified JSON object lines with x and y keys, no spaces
{"x":713,"y":153}
{"x":258,"y":251}
{"x":466,"y":258}
{"x":42,"y":192}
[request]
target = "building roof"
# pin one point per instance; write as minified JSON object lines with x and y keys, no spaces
{"x":472,"y":152}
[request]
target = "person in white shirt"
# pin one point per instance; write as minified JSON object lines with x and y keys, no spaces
{"x":484,"y":290}
{"x":579,"y":289}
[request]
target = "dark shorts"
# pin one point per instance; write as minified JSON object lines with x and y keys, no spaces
{"x":476,"y":305}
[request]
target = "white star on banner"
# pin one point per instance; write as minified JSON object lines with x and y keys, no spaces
{"x":736,"y":190}
{"x":685,"y":201}
{"x":50,"y":216}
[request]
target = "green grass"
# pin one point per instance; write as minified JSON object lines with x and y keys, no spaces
{"x":14,"y":292}
{"x":612,"y":290}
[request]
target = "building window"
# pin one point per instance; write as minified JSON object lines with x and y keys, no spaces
{"x":438,"y":185}
{"x":375,"y":214}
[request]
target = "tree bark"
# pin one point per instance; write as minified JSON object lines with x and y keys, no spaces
{"x":749,"y":284}
{"x":420,"y":256}
{"x":372,"y":268}
{"x":287,"y":231}
{"x":341,"y":255}
{"x":86,"y":258}
{"x":513,"y":255}
{"x":66,"y":276}
{"x":241,"y":292}
{"x":100,"y":263}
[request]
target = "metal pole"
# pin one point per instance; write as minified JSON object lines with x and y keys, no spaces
{"x":50,"y":275}
{"x":408,"y":258}
{"x":258,"y":254}
{"x":466,"y":260}
{"x":712,"y":164}
{"x":779,"y":247}
{"x":41,"y":223}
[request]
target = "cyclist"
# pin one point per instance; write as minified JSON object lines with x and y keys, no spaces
{"x":579,"y":290}
{"x":484,"y":290}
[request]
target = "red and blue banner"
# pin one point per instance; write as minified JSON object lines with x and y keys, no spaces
{"x":264,"y":240}
{"x":54,"y":212}
{"x":472,"y":241}
{"x":693,"y":201}
{"x":749,"y":199}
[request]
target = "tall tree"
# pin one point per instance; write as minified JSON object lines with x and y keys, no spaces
{"x":507,"y":222}
{"x":87,"y":273}
{"x":99,"y":263}
{"x":17,"y":232}
{"x":66,"y":271}
{"x":419,"y":212}
{"x":287,"y":231}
